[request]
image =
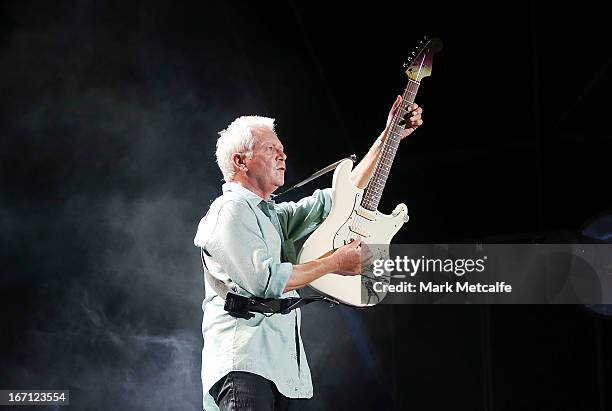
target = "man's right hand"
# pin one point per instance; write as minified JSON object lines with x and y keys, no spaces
{"x":351,"y":257}
{"x":346,"y":260}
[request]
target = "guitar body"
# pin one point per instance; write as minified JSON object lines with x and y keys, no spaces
{"x":348,"y":220}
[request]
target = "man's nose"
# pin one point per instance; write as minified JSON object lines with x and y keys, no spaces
{"x":282,"y":155}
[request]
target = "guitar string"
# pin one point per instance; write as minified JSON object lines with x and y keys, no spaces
{"x":387,"y":153}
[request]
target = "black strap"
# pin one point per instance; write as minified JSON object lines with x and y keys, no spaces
{"x":241,"y":306}
{"x":317,"y":174}
{"x":297,"y":342}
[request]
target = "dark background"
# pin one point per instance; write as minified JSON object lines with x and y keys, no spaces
{"x":109,"y":114}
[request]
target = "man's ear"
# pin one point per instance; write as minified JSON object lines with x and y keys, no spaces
{"x":238,"y":160}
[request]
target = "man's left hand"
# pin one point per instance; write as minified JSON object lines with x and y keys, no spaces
{"x":409,"y":122}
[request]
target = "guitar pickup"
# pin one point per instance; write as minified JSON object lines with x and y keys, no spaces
{"x":358,"y":232}
{"x":367,"y":214}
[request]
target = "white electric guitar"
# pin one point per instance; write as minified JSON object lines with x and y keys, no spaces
{"x":354,"y":213}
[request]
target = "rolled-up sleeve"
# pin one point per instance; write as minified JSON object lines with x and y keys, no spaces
{"x":239,"y":248}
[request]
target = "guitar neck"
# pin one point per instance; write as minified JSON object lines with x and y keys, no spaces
{"x":389,"y":149}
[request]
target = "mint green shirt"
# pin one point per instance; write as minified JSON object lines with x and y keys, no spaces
{"x":249,"y":245}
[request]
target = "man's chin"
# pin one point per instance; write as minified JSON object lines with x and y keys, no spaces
{"x":279,"y":184}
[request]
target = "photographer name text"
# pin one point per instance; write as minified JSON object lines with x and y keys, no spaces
{"x":447,"y":287}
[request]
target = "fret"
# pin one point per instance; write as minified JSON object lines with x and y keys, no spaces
{"x":409,"y":96}
{"x":402,"y":112}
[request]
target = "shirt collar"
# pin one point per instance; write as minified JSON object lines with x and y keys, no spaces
{"x":252,"y":198}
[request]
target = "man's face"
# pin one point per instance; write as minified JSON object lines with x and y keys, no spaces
{"x":266,"y":168}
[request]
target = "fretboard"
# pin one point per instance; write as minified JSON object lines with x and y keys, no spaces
{"x":389,"y":149}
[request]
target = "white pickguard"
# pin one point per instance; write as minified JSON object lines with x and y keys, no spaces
{"x":346,"y":221}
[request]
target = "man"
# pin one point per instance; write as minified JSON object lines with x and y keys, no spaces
{"x":248,"y":243}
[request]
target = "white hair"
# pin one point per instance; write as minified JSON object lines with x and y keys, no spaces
{"x":238,"y":137}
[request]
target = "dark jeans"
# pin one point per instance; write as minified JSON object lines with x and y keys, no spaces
{"x":244,"y":391}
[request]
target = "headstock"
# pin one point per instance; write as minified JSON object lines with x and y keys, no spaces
{"x":418,"y":65}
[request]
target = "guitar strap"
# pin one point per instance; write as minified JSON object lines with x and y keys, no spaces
{"x":317,"y":174}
